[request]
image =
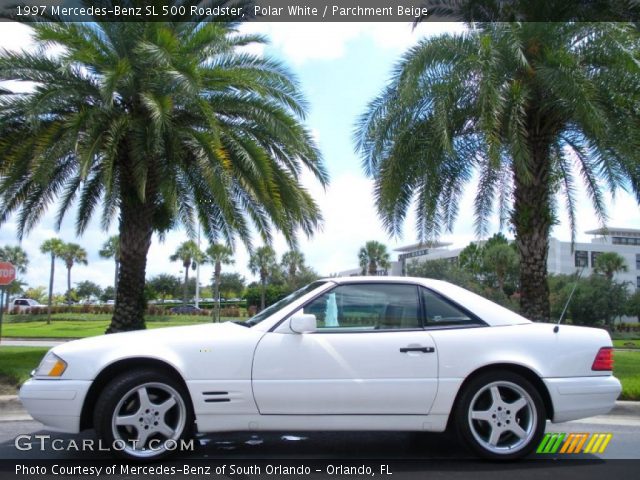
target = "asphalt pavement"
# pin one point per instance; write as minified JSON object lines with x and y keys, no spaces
{"x":25,"y":444}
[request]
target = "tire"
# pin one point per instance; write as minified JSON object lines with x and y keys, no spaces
{"x":143,"y":415}
{"x":500,"y":416}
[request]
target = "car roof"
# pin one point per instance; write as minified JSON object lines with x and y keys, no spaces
{"x":490,"y":312}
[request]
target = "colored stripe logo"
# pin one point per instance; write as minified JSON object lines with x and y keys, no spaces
{"x":574,"y":443}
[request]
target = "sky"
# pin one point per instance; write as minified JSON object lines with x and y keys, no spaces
{"x":341,"y":67}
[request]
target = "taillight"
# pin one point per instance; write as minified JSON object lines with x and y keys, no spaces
{"x":603,"y":360}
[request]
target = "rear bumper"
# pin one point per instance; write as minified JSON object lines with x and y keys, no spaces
{"x":55,"y":403}
{"x":582,"y":397}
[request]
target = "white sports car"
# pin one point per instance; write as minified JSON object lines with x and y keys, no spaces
{"x":356,"y":353}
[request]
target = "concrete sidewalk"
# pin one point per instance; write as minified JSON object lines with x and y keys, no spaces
{"x":29,"y":342}
{"x":11,"y":410}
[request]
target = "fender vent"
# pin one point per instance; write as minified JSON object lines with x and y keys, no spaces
{"x":216,"y":397}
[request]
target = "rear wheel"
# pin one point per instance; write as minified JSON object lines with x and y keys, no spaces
{"x":501,"y":415}
{"x":143,"y":415}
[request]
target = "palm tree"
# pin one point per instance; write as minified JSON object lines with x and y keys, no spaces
{"x":219,"y":255}
{"x":71,"y":254}
{"x":53,"y":247}
{"x":610,"y":263}
{"x":525,"y":106}
{"x":293,"y":263}
{"x":372,"y":256}
{"x":16,"y":256}
{"x":160,"y":124}
{"x":261,"y":262}
{"x":111,"y":249}
{"x":190,"y":255}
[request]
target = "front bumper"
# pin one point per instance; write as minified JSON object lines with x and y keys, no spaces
{"x":581,"y":397}
{"x":55,"y":403}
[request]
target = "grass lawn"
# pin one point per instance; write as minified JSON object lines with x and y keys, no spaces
{"x":17,"y":362}
{"x":627,"y":343}
{"x":627,"y":368}
{"x":80,"y":326}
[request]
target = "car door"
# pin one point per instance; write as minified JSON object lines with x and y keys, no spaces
{"x":369,"y":355}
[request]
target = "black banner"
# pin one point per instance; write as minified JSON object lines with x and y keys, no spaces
{"x":322,"y":10}
{"x":261,"y":469}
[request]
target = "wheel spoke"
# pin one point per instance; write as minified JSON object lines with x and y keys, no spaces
{"x":481,"y":415}
{"x":145,"y":402}
{"x":143,"y":436}
{"x":165,"y":430}
{"x":128,"y":420}
{"x":495,"y":396}
{"x":517,"y":429}
{"x":517,"y":405}
{"x":494,"y":438}
{"x":166,"y":405}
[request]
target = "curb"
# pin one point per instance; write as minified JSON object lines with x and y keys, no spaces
{"x":11,"y":410}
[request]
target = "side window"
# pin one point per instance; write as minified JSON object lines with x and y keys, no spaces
{"x":373,"y":306}
{"x":441,"y":312}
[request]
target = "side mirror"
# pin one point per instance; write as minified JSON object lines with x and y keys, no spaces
{"x":303,"y":323}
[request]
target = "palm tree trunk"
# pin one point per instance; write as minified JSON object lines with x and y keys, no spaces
{"x":186,"y":286}
{"x":263,"y":282}
{"x":135,"y":239}
{"x":216,"y":292}
{"x":53,"y":267}
{"x":532,"y":225}
{"x":69,"y":285}
{"x":115,"y":281}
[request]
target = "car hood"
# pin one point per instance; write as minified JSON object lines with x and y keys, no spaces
{"x":146,"y":338}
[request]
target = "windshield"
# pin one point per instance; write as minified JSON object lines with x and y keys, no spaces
{"x":292,"y":297}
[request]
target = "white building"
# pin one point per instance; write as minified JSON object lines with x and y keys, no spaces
{"x":625,"y":242}
{"x":563,"y":257}
{"x":421,"y":252}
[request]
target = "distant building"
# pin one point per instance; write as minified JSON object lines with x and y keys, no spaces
{"x":425,"y":252}
{"x":562,"y":258}
{"x":623,"y":241}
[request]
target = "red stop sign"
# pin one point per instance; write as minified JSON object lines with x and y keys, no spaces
{"x":7,"y":273}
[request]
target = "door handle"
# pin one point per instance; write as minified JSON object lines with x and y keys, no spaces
{"x":417,"y":349}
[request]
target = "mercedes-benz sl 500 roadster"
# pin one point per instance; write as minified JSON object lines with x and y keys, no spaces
{"x":358,"y":353}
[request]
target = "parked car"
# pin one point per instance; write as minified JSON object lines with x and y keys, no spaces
{"x":23,"y":305}
{"x":186,"y":309}
{"x":357,"y":353}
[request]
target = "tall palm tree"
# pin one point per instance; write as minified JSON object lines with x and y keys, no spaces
{"x":160,"y":124}
{"x":190,"y":255}
{"x":53,"y":247}
{"x":219,"y":255}
{"x":293,"y":263}
{"x":372,"y":256}
{"x":111,"y":249}
{"x":261,"y":262}
{"x":527,"y":107}
{"x":72,"y":254}
{"x":610,"y":263}
{"x":16,"y":256}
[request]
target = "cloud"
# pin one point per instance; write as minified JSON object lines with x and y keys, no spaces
{"x":302,"y":42}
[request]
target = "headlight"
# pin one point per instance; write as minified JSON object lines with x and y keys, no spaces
{"x":51,"y":366}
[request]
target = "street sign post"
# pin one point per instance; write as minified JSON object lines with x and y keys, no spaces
{"x":7,"y":275}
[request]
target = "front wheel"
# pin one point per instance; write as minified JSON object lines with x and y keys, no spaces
{"x":501,"y":415}
{"x":143,"y":415}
